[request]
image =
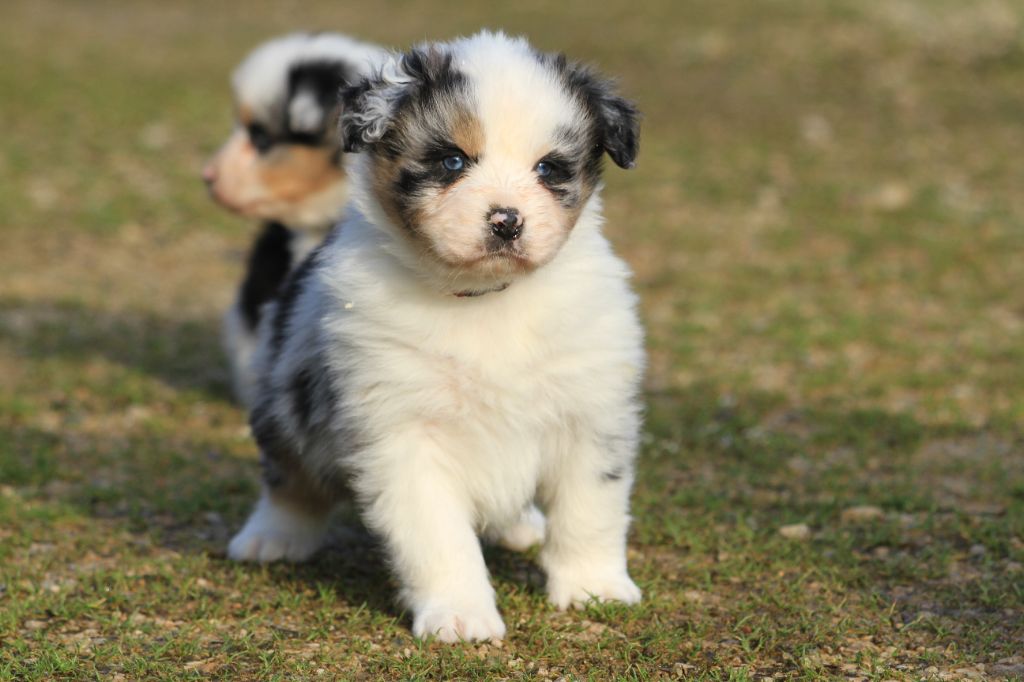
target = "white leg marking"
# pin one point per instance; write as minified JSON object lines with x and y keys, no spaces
{"x":524,"y":533}
{"x":275,"y":532}
{"x":588,"y":516}
{"x":427,"y":522}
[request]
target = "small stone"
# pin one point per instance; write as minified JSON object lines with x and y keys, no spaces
{"x":815,"y":129}
{"x":891,"y":196}
{"x":907,"y":520}
{"x":861,"y":514}
{"x":977,"y":550}
{"x":155,"y":136}
{"x":983,"y":508}
{"x":795,"y":531}
{"x":695,"y":596}
{"x":1008,"y":669}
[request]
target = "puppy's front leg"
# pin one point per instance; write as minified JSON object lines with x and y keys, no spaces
{"x":587,"y":500}
{"x":427,"y":522}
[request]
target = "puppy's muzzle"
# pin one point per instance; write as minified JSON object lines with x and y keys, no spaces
{"x":506,"y":223}
{"x":209,"y":175}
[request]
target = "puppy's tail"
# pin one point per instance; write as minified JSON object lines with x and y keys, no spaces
{"x":275,"y":252}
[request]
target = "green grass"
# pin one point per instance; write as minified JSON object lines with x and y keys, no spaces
{"x":827,"y":228}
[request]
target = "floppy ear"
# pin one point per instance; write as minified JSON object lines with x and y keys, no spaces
{"x":621,"y":135}
{"x":369,"y":107}
{"x":363,"y":115}
{"x":618,"y":120}
{"x":313,"y":87}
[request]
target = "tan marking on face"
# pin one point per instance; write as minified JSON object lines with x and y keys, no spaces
{"x":468,"y":135}
{"x":293,"y":172}
{"x":244,"y":113}
{"x":385,"y":175}
{"x":572,"y":213}
{"x":465,"y":132}
{"x":275,"y":185}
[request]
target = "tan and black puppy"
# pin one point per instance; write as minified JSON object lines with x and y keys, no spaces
{"x":282,"y":164}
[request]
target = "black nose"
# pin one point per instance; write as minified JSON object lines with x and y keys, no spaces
{"x":506,"y":223}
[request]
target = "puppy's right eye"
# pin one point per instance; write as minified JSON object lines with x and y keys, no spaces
{"x":260,"y":138}
{"x":453,"y":163}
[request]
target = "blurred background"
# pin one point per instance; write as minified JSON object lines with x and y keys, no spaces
{"x":827,"y":231}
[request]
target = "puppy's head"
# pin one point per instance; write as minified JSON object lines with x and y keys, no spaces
{"x":283,"y":160}
{"x":483,"y":152}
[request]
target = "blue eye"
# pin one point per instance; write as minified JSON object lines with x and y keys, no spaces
{"x":454,"y":163}
{"x":543,"y":169}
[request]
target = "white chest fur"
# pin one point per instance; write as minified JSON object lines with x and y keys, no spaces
{"x":494,"y":379}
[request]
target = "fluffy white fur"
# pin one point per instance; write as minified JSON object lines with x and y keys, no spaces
{"x":452,"y":415}
{"x":276,"y":532}
{"x":259,"y":80}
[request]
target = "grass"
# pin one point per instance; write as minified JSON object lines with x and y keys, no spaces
{"x":827,"y":227}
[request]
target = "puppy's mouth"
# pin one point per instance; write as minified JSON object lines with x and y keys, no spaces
{"x":506,"y":260}
{"x":252,"y":209}
{"x":211,"y":190}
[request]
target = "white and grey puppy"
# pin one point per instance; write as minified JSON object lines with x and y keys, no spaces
{"x":467,"y":342}
{"x":283,"y":164}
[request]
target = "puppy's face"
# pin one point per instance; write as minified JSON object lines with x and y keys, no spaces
{"x":483,"y":152}
{"x":283,"y":160}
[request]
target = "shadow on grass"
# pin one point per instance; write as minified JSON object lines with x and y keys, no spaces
{"x":719,"y":474}
{"x":185,"y":354}
{"x":187,"y":495}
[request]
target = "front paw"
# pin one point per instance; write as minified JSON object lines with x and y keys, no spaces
{"x":462,"y":622}
{"x":577,"y":587}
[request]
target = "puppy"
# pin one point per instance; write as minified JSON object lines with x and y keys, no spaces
{"x":283,"y":165}
{"x":466,"y":342}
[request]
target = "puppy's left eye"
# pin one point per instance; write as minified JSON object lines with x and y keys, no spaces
{"x":552,"y":170}
{"x":455,"y":162}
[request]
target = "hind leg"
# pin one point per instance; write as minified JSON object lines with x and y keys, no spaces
{"x":525,"y":532}
{"x":290,"y":521}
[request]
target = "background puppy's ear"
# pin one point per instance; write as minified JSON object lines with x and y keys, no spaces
{"x":617,"y":118}
{"x":313,"y":88}
{"x":368,"y":108}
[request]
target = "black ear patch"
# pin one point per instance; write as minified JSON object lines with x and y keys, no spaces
{"x":621,"y":134}
{"x":617,"y":119}
{"x":355,"y":121}
{"x":312,"y":105}
{"x":370,"y":108}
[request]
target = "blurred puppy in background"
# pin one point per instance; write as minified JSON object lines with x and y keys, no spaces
{"x":282,"y":164}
